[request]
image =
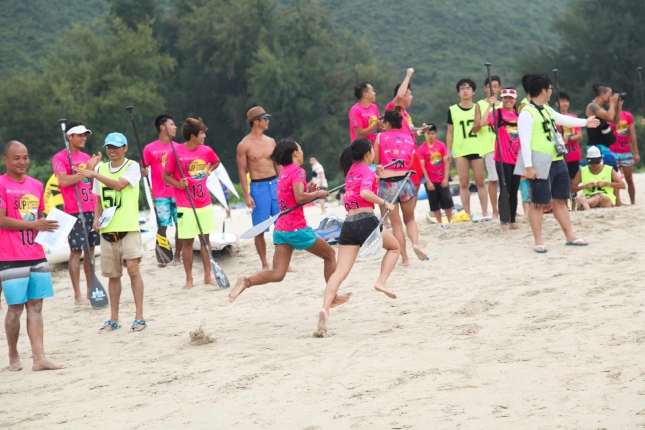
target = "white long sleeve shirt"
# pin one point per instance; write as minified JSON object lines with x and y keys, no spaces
{"x":525,"y":130}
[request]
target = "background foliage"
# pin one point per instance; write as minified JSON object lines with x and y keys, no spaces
{"x":299,"y":59}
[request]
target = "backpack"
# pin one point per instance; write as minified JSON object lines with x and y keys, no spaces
{"x":329,"y":229}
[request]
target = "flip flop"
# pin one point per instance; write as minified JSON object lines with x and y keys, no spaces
{"x":136,"y":323}
{"x":578,"y":242}
{"x":540,"y":249}
{"x":445,"y":226}
{"x":113,"y":326}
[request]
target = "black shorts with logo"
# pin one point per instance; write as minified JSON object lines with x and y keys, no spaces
{"x":76,"y":237}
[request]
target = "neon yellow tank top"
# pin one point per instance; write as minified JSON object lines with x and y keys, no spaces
{"x":540,"y":141}
{"x":603,"y":176}
{"x":464,"y":141}
{"x":486,"y":134}
{"x":126,"y":217}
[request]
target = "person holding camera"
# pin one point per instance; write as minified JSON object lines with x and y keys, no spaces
{"x":603,"y":137}
{"x":538,"y":134}
{"x":625,"y":151}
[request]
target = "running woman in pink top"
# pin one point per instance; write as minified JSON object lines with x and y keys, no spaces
{"x":625,"y":150}
{"x":394,"y":143}
{"x":24,"y":271}
{"x":508,"y":143}
{"x":68,"y":181}
{"x":363,"y":116}
{"x":360,"y":197}
{"x":291,"y":230}
{"x":156,"y":156}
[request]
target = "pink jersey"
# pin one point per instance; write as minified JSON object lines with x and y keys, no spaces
{"x":359,"y":178}
{"x":363,"y":118}
{"x":573,"y":147}
{"x":60,"y":163}
{"x":621,"y":130}
{"x":155,"y":156}
{"x":294,"y":220}
{"x":194,"y":164}
{"x":406,"y":125}
{"x":508,"y":136}
{"x":22,"y":200}
{"x":433,"y":156}
{"x":396,"y":144}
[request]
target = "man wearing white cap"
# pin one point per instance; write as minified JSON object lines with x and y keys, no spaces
{"x":116,"y":216}
{"x":68,"y":181}
{"x":598,"y":182}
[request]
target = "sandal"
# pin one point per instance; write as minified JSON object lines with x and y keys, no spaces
{"x":136,"y":323}
{"x":578,"y":242}
{"x":540,"y":249}
{"x":113,"y":326}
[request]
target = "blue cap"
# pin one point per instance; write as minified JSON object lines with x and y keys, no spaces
{"x":115,"y":139}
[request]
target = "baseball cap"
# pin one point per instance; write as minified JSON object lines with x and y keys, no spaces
{"x":594,"y":156}
{"x":79,"y":129}
{"x":115,"y":139}
{"x":509,"y":92}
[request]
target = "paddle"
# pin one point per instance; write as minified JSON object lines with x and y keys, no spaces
{"x":98,"y":298}
{"x":220,"y":276}
{"x":261,"y":227}
{"x":372,"y":246}
{"x":504,"y":203}
{"x":640,"y":78}
{"x":163,"y":251}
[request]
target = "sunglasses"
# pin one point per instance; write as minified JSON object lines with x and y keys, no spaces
{"x":264,"y":117}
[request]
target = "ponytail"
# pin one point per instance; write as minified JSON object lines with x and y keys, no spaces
{"x":354,"y":152}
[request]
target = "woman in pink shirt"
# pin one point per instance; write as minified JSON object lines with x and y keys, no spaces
{"x":395,"y":143}
{"x":291,"y":230}
{"x":360,"y":196}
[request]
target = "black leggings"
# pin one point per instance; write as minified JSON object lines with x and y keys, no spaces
{"x":512,"y":185}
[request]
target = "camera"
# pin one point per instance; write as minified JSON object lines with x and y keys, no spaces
{"x":621,"y":96}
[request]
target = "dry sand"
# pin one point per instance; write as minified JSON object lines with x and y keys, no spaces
{"x":490,"y":336}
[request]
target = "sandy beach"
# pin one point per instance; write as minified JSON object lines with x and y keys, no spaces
{"x":489,"y":336}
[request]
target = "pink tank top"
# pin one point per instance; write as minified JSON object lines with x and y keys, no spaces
{"x":396,"y":144}
{"x":359,"y":178}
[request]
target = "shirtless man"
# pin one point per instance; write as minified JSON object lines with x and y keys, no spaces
{"x":253,"y":154}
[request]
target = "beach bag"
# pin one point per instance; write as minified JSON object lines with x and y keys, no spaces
{"x":329,"y":229}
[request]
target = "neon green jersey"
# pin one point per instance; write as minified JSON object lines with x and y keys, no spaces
{"x":126,"y":217}
{"x":587,"y":176}
{"x":464,"y":141}
{"x":486,"y":134}
{"x":540,"y":141}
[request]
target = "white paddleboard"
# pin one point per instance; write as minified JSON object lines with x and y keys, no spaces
{"x":223,"y":177}
{"x":217,"y":240}
{"x":215,"y":187}
{"x":153,"y":217}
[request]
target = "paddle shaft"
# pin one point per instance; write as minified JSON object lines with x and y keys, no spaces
{"x":640,"y":78}
{"x":394,"y":199}
{"x":557,"y":87}
{"x":143,"y":163}
{"x":78,"y":200}
{"x":190,"y":198}
{"x":505,"y":206}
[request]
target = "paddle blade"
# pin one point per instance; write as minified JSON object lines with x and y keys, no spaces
{"x":259,"y":228}
{"x":372,"y":246}
{"x":163,"y":251}
{"x":220,"y":276}
{"x":504,"y":206}
{"x":98,"y":298}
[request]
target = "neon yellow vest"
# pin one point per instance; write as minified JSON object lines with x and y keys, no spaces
{"x":126,"y":217}
{"x":539,"y":139}
{"x":486,"y":134}
{"x":603,"y":176}
{"x":464,"y":141}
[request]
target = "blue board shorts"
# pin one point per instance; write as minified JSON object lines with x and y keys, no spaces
{"x":625,"y":159}
{"x":26,"y":280}
{"x":556,"y":186}
{"x":299,"y":239}
{"x":265,"y":195}
{"x":166,"y":208}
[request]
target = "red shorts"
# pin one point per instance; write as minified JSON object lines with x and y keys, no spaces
{"x":416,"y":166}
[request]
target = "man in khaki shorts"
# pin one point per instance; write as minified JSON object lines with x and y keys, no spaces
{"x":117,"y":218}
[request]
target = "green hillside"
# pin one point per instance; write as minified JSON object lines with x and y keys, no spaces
{"x":447,"y":40}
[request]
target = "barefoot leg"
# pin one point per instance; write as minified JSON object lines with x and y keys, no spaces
{"x":35,"y":332}
{"x":241,"y":284}
{"x":391,"y":246}
{"x":341,"y":299}
{"x":346,"y":258}
{"x":12,"y":329}
{"x":187,"y":256}
{"x":281,"y":259}
{"x":322,"y":249}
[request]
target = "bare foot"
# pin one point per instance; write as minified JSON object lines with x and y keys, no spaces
{"x":161,"y":264}
{"x":322,"y":320}
{"x":177,"y":262}
{"x":341,"y":299}
{"x":514,"y":226}
{"x":291,"y":269}
{"x":14,"y":363}
{"x":188,"y":285}
{"x":383,"y":289}
{"x":44,"y":364}
{"x":404,"y":263}
{"x":266,"y":267}
{"x":81,"y":302}
{"x":210,"y":281}
{"x":503,"y":228}
{"x":240,"y":285}
{"x":419,"y":252}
